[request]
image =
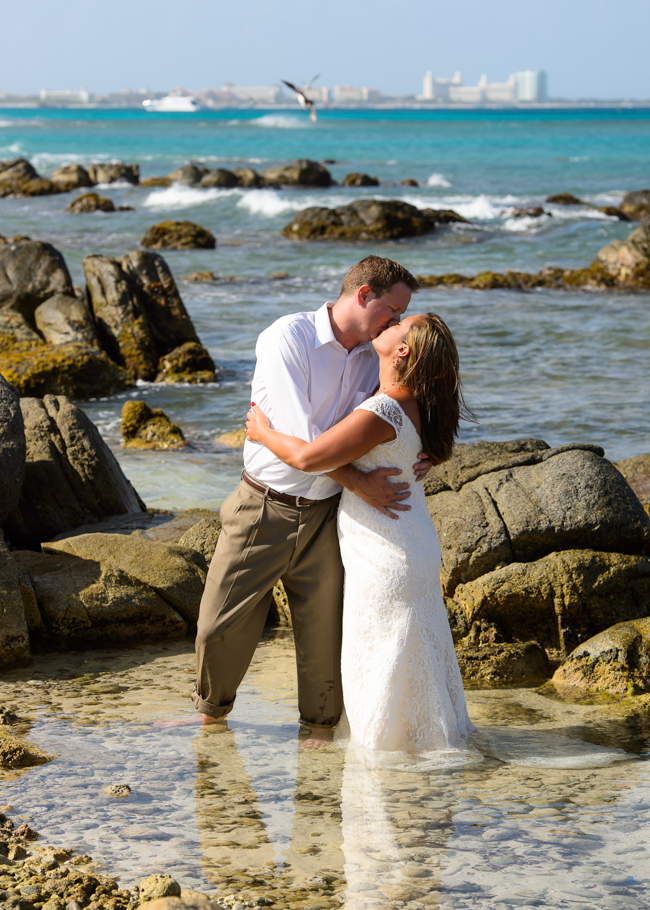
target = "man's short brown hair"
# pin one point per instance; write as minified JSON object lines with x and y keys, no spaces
{"x":380,"y":274}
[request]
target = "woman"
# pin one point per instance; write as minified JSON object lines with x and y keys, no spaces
{"x":401,"y":683}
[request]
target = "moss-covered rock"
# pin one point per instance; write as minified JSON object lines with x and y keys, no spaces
{"x":234,"y":439}
{"x":505,"y":664}
{"x":564,"y":199}
{"x":156,"y":181}
{"x":16,"y":752}
{"x":364,"y":219}
{"x":178,"y":235}
{"x":190,"y":362}
{"x":19,"y":178}
{"x":157,"y":886}
{"x":144,"y":428}
{"x":76,"y":370}
{"x":90,"y":202}
{"x":616,"y":661}
{"x":636,"y":471}
{"x":357,"y":179}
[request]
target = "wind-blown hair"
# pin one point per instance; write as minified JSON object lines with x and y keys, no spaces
{"x":431,"y":374}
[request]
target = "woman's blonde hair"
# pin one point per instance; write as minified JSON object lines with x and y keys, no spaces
{"x":431,"y":374}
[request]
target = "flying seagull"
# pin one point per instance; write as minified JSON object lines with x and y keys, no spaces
{"x":303,"y":100}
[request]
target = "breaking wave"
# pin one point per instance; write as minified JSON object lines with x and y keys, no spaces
{"x":177,"y":196}
{"x":282,"y":122}
{"x":438,"y":180}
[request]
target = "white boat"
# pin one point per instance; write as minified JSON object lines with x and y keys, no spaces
{"x":174,"y":103}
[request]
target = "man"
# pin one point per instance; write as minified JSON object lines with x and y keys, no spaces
{"x":312,"y":370}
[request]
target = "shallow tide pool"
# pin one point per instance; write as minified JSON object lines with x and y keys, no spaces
{"x":549,"y":807}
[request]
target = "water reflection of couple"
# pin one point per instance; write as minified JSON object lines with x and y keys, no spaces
{"x":346,"y":396}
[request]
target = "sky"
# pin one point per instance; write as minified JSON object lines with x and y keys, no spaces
{"x":588,"y":48}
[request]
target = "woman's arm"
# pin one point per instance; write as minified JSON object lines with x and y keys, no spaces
{"x":343,"y":443}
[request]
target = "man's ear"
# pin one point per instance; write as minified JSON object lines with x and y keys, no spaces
{"x":365,"y":294}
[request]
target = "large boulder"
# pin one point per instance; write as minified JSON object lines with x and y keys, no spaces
{"x":470,"y":461}
{"x":188,"y":174}
{"x":123,"y":329}
{"x":13,"y":448}
{"x":19,"y":178}
{"x":178,"y":235}
{"x":144,"y":428}
{"x":71,"y":177}
{"x":112,"y":173}
{"x":636,"y":471}
{"x":76,"y":370}
{"x":558,"y":600}
{"x":30,"y":272}
{"x":62,"y":319}
{"x":248,"y":177}
{"x":161,"y":567}
{"x":636,"y":205}
{"x":14,"y":634}
{"x":616,"y":661}
{"x":364,"y":219}
{"x":506,"y":664}
{"x":300,"y":173}
{"x":572,"y":498}
{"x":85,"y":603}
{"x":629,"y":260}
{"x":71,"y":476}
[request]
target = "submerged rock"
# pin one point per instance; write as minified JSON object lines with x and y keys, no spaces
{"x":357,"y":179}
{"x":71,"y":177}
{"x":300,"y":173}
{"x":71,"y":476}
{"x":178,"y":235}
{"x":364,"y":219}
{"x":144,"y":428}
{"x":18,"y":753}
{"x":564,"y":199}
{"x":409,"y":182}
{"x":636,"y":205}
{"x":616,"y":661}
{"x":90,"y":202}
{"x":530,"y":211}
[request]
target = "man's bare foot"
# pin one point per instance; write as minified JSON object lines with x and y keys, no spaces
{"x":320,"y":736}
{"x":203,"y":719}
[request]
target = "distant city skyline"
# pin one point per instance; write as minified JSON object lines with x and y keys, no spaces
{"x":387,"y":45}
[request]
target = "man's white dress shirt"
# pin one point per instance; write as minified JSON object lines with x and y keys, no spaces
{"x":305,"y":382}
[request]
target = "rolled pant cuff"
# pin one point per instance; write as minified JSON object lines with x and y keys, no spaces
{"x":211,"y":710}
{"x":321,"y":726}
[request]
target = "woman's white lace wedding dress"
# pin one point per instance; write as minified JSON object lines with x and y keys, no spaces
{"x":401,"y":683}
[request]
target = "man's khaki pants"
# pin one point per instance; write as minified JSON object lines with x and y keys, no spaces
{"x":261,"y":541}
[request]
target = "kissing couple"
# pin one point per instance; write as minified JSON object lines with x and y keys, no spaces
{"x":345,"y":398}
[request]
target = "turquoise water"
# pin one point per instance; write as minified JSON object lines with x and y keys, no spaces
{"x":561,"y":366}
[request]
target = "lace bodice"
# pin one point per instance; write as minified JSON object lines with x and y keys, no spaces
{"x":401,"y":682}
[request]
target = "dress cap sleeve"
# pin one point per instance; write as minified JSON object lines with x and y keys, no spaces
{"x":385,"y":407}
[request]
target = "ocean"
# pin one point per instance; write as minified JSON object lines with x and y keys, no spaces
{"x":563,"y":366}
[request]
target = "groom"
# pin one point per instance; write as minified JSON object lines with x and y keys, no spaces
{"x":312,"y":370}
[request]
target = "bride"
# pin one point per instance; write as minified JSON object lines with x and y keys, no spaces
{"x":402,"y":687}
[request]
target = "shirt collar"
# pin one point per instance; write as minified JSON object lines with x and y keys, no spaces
{"x":324,"y":333}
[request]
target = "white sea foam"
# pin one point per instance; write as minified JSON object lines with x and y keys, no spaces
{"x":282,"y":122}
{"x":271,"y":203}
{"x":526,"y":224}
{"x":438,"y":180}
{"x":6,"y":123}
{"x":13,"y":149}
{"x":177,"y":196}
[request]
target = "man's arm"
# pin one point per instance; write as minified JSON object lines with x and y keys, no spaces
{"x":374,"y":488}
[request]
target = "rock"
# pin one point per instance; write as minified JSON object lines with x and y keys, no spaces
{"x":156,"y":181}
{"x":636,"y":205}
{"x":219,"y":177}
{"x":117,"y":791}
{"x":558,"y":600}
{"x":143,"y":428}
{"x":616,"y":661}
{"x":14,"y":635}
{"x":356,"y":179}
{"x":112,"y":173}
{"x":279,"y":613}
{"x":248,"y":177}
{"x":202,"y":538}
{"x":156,"y":886}
{"x":516,"y":664}
{"x":235,"y":439}
{"x":445,"y":216}
{"x":71,"y":476}
{"x":191,"y":902}
{"x":470,"y":461}
{"x":30,"y":272}
{"x":572,"y":498}
{"x":636,"y":471}
{"x":158,"y":296}
{"x":157,"y":565}
{"x":71,"y":177}
{"x":612,"y":212}
{"x":300,"y":173}
{"x":530,"y":211}
{"x":199,"y":277}
{"x":15,"y":331}
{"x":364,"y":219}
{"x":18,"y":753}
{"x":87,"y":604}
{"x":188,"y":175}
{"x":63,"y":319}
{"x":409,"y":182}
{"x":564,"y":199}
{"x":76,"y":370}
{"x":90,"y":202}
{"x":188,"y":363}
{"x":178,"y":235}
{"x":26,"y":832}
{"x":18,"y":178}
{"x":123,"y":329}
{"x":13,"y":449}
{"x":629,"y":260}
